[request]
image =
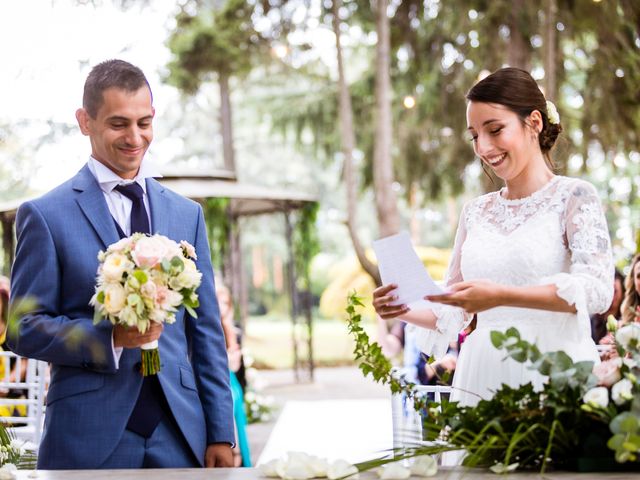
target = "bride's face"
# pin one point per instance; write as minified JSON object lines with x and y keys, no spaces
{"x":500,"y":138}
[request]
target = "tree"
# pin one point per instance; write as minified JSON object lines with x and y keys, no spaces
{"x":348,"y":144}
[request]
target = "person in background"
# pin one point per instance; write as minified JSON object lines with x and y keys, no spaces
{"x":398,"y":338}
{"x":241,"y":452}
{"x":12,"y":366}
{"x":631,"y":302}
{"x":599,"y":320}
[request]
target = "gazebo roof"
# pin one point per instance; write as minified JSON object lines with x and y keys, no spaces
{"x":246,"y":199}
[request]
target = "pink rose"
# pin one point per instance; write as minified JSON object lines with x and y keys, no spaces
{"x":608,"y":372}
{"x":149,"y":251}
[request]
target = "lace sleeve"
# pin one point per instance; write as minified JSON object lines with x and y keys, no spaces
{"x":589,"y":283}
{"x":450,"y":320}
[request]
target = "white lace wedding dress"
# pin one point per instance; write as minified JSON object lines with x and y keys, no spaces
{"x":558,"y":235}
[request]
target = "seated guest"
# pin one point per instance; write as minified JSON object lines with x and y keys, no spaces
{"x":9,"y":410}
{"x":631,"y":300}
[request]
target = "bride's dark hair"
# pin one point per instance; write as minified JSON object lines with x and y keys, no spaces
{"x":518,"y":91}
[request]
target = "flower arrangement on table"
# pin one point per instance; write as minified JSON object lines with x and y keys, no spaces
{"x":144,"y":279}
{"x":13,"y":455}
{"x":584,"y":418}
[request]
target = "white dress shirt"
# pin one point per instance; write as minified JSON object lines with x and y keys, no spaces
{"x":119,"y":205}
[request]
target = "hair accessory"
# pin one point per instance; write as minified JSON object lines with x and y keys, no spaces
{"x":552,"y":113}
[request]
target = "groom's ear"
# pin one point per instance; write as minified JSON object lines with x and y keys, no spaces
{"x":82,"y":116}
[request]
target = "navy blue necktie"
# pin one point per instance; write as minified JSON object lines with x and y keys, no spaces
{"x":139,"y":217}
{"x":147,"y":412}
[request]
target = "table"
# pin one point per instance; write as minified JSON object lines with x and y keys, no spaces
{"x":252,"y":473}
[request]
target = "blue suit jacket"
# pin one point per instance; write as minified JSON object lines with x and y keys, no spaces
{"x":90,"y":400}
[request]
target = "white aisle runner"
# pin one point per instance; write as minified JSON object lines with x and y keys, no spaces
{"x":355,"y":430}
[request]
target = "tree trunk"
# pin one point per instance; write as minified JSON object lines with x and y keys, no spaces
{"x":226,"y":123}
{"x":550,"y":50}
{"x":519,"y":51}
{"x":551,"y":64}
{"x":385,"y":197}
{"x":347,"y":139}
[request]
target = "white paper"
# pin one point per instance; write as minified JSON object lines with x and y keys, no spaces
{"x":399,"y":263}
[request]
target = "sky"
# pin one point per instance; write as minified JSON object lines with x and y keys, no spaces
{"x":48,"y":48}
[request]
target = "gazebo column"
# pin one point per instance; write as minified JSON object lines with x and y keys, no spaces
{"x":293,"y":292}
{"x":237,"y":278}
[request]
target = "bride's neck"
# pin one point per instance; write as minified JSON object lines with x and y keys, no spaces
{"x":527,"y":182}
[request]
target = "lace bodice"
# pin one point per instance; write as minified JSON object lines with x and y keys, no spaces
{"x":558,"y":235}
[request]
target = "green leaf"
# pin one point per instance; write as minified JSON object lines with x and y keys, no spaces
{"x":497,"y":338}
{"x":141,"y":276}
{"x":191,"y":311}
{"x":626,"y":422}
{"x":100,"y":296}
{"x":166,"y":265}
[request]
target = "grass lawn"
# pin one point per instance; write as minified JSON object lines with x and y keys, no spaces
{"x":268,"y":340}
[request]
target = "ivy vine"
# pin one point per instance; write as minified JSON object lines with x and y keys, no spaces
{"x":305,"y":243}
{"x":219,"y":226}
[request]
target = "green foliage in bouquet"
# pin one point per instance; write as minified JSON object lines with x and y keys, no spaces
{"x":576,"y":414}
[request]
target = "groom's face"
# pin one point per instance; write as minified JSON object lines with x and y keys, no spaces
{"x":122,"y":130}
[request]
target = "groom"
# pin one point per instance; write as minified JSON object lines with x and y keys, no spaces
{"x":100,"y":412}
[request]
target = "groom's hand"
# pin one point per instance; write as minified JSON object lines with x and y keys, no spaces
{"x":127,"y":337}
{"x":218,"y":455}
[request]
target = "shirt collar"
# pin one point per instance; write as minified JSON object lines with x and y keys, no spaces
{"x":108,"y":179}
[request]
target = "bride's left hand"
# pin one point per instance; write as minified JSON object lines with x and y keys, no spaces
{"x":473,"y":296}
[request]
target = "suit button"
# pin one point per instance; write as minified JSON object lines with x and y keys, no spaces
{"x":137,"y":367}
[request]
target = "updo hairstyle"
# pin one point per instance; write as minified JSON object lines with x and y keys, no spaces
{"x":518,"y":91}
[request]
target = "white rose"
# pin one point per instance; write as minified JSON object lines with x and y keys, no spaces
{"x":188,"y":249}
{"x":628,"y":334}
{"x":8,"y":472}
{"x":424,"y":466}
{"x":608,"y":372}
{"x":120,"y":245}
{"x":270,"y":469}
{"x":621,"y":392}
{"x":115,"y":264}
{"x":189,"y":278}
{"x":148,"y":290}
{"x":115,"y":298}
{"x":340,"y":469}
{"x":297,"y":466}
{"x":393,"y":471}
{"x":598,"y":396}
{"x":172,"y":248}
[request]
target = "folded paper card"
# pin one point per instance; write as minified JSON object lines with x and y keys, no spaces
{"x":399,"y":263}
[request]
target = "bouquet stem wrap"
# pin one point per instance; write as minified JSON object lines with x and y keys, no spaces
{"x":150,"y":358}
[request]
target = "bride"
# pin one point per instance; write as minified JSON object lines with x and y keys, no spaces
{"x":535,"y":255}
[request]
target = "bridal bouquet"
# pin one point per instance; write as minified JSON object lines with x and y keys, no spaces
{"x":143,"y":279}
{"x":585,"y":418}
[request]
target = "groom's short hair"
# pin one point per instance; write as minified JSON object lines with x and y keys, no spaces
{"x":111,"y":74}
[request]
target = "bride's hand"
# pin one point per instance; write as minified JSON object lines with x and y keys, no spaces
{"x":473,"y":296}
{"x":382,"y":297}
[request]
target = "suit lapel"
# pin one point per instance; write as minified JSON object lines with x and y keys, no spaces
{"x":160,"y":207}
{"x":92,"y":203}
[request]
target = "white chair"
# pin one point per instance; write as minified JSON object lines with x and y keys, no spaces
{"x":407,"y":422}
{"x":33,"y":379}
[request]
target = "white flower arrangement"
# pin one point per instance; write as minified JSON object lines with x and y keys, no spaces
{"x":552,"y":113}
{"x":143,"y":279}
